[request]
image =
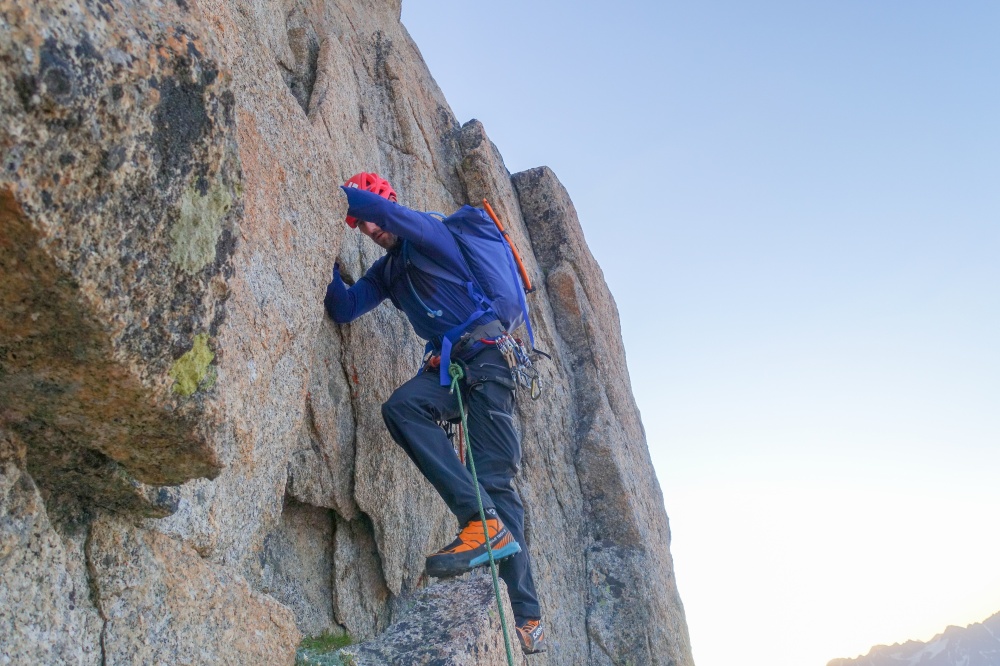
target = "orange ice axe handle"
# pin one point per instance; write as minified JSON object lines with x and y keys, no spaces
{"x":517,"y":255}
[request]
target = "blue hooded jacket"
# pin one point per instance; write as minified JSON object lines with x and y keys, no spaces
{"x":430,"y":247}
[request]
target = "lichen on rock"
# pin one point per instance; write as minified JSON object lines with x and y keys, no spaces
{"x":199,"y":226}
{"x":193,"y":369}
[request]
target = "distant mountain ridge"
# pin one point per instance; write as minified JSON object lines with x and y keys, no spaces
{"x":975,"y":645}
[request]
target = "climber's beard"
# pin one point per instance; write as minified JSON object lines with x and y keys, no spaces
{"x":381,"y":237}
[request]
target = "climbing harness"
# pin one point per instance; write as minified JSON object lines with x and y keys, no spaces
{"x":519,"y":358}
{"x":457,"y":374}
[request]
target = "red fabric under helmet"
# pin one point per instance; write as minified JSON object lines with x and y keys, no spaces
{"x":373,"y":183}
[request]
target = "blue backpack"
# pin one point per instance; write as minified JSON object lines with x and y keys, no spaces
{"x":491,"y":279}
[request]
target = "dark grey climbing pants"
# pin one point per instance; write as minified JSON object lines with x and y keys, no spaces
{"x":412,"y":415}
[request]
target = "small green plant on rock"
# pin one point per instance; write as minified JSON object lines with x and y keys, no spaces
{"x":323,"y":650}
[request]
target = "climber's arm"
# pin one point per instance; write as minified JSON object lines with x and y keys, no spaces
{"x":422,"y":229}
{"x":345,"y":304}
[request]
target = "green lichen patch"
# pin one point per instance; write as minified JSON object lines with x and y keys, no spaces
{"x":198,"y":227}
{"x":193,"y":369}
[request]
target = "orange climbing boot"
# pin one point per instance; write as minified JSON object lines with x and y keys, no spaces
{"x":468,"y":551}
{"x":531,"y":636}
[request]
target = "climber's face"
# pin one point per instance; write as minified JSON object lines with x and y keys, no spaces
{"x":382,"y":238}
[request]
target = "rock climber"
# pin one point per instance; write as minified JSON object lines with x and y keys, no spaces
{"x":418,"y":247}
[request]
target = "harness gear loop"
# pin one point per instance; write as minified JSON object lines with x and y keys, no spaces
{"x":457,"y":374}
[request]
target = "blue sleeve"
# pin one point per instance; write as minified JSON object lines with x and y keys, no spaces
{"x":425,"y":231}
{"x":345,"y":305}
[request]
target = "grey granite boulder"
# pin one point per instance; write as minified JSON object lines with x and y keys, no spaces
{"x":453,"y":623}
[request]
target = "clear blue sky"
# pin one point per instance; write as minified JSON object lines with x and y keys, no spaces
{"x":814,"y":191}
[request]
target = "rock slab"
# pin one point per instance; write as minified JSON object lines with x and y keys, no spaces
{"x":46,"y":612}
{"x":162,"y":603}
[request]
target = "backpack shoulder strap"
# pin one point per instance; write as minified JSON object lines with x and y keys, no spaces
{"x":421,"y":261}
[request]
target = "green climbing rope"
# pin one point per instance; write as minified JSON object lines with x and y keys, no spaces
{"x":457,"y":374}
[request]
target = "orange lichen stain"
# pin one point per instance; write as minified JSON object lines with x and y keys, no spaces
{"x":17,"y":12}
{"x":354,"y":374}
{"x":152,"y":60}
{"x":177,"y":45}
{"x":265,"y":193}
{"x":563,"y":288}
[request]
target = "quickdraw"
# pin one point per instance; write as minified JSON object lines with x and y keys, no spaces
{"x":522,"y":364}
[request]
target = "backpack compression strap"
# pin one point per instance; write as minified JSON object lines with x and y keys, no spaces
{"x":520,"y":294}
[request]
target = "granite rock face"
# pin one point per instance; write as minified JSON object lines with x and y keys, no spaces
{"x":623,"y":527}
{"x":298,"y":559}
{"x":195,"y":465}
{"x":119,"y":177}
{"x":162,"y":603}
{"x":46,"y":612}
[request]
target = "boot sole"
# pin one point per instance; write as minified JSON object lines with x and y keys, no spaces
{"x":500,"y":554}
{"x":456,"y":565}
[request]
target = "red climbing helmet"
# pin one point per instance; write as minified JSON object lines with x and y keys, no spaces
{"x":373,"y":183}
